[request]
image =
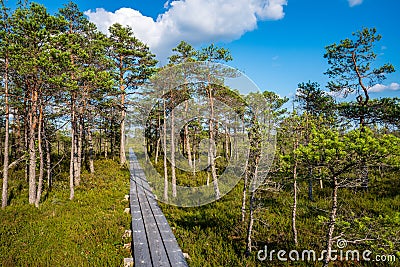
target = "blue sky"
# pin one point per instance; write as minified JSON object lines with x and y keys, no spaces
{"x":276,"y":43}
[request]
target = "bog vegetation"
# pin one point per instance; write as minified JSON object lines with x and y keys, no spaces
{"x":65,"y":91}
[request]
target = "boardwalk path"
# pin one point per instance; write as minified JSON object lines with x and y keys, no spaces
{"x":153,"y":242}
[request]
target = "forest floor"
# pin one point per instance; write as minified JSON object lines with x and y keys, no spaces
{"x":84,"y":232}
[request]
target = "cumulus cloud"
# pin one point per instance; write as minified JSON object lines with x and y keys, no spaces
{"x":195,"y":21}
{"x":355,"y":2}
{"x":380,"y":87}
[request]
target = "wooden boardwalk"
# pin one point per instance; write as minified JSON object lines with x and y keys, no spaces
{"x":153,"y":243}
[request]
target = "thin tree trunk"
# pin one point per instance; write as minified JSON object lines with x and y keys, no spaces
{"x":122,"y":155}
{"x":48,"y":161}
{"x":157,"y":149}
{"x":321,"y":184}
{"x":4,"y":196}
{"x":41,"y":157}
{"x":105,"y":148}
{"x":211,"y":146}
{"x":227,"y":143}
{"x":310,"y":184}
{"x":123,"y":112}
{"x":78,"y":161}
{"x":246,"y":178}
{"x":187,"y":139}
{"x":294,"y":211}
{"x":332,"y":221}
{"x":90,"y":139}
{"x":165,"y":153}
{"x":251,"y":212}
{"x":32,"y":148}
{"x":173,"y":173}
{"x":158,"y":139}
{"x":72,"y":160}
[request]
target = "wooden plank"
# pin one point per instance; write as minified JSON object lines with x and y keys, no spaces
{"x":157,"y":250}
{"x":162,"y":248}
{"x":174,"y":252}
{"x":140,"y":248}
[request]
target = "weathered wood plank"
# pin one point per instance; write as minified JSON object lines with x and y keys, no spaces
{"x":174,"y":252}
{"x":140,"y":249}
{"x":154,"y":243}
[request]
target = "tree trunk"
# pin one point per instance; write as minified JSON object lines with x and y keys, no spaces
{"x":123,"y":112}
{"x":250,"y":225}
{"x":41,"y":157}
{"x":32,"y":148}
{"x":157,"y":150}
{"x":158,"y":139}
{"x":165,"y":153}
{"x":90,"y":139}
{"x":78,"y":154}
{"x":72,"y":160}
{"x":332,"y":221}
{"x":187,"y":139}
{"x":4,"y":196}
{"x":173,"y":174}
{"x":294,"y":211}
{"x":227,"y":143}
{"x":122,"y":155}
{"x":48,"y":162}
{"x":310,"y":184}
{"x":211,"y":146}
{"x":246,"y":178}
{"x":105,"y":148}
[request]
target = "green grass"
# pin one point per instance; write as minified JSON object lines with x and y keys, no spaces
{"x":84,"y":232}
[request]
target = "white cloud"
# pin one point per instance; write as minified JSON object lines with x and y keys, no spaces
{"x":195,"y":21}
{"x":355,"y":2}
{"x":380,"y":87}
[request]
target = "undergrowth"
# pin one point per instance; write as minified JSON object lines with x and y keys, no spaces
{"x":84,"y":232}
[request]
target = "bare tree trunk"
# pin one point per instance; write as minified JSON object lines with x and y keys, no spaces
{"x":187,"y":139}
{"x":157,"y":150}
{"x":165,"y":153}
{"x":173,"y":173}
{"x":90,"y":139}
{"x":123,"y":112}
{"x":105,"y":148}
{"x":211,"y":146}
{"x":4,"y":196}
{"x":32,"y":148}
{"x":227,"y":143}
{"x":251,"y":213}
{"x":332,"y":221}
{"x":72,"y":160}
{"x":26,"y":143}
{"x":209,"y":165}
{"x":294,"y":211}
{"x":321,"y":184}
{"x":158,"y":139}
{"x":78,"y":157}
{"x":310,"y":184}
{"x":194,"y":157}
{"x":246,"y":178}
{"x":122,"y":156}
{"x":41,"y":157}
{"x":48,"y":162}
